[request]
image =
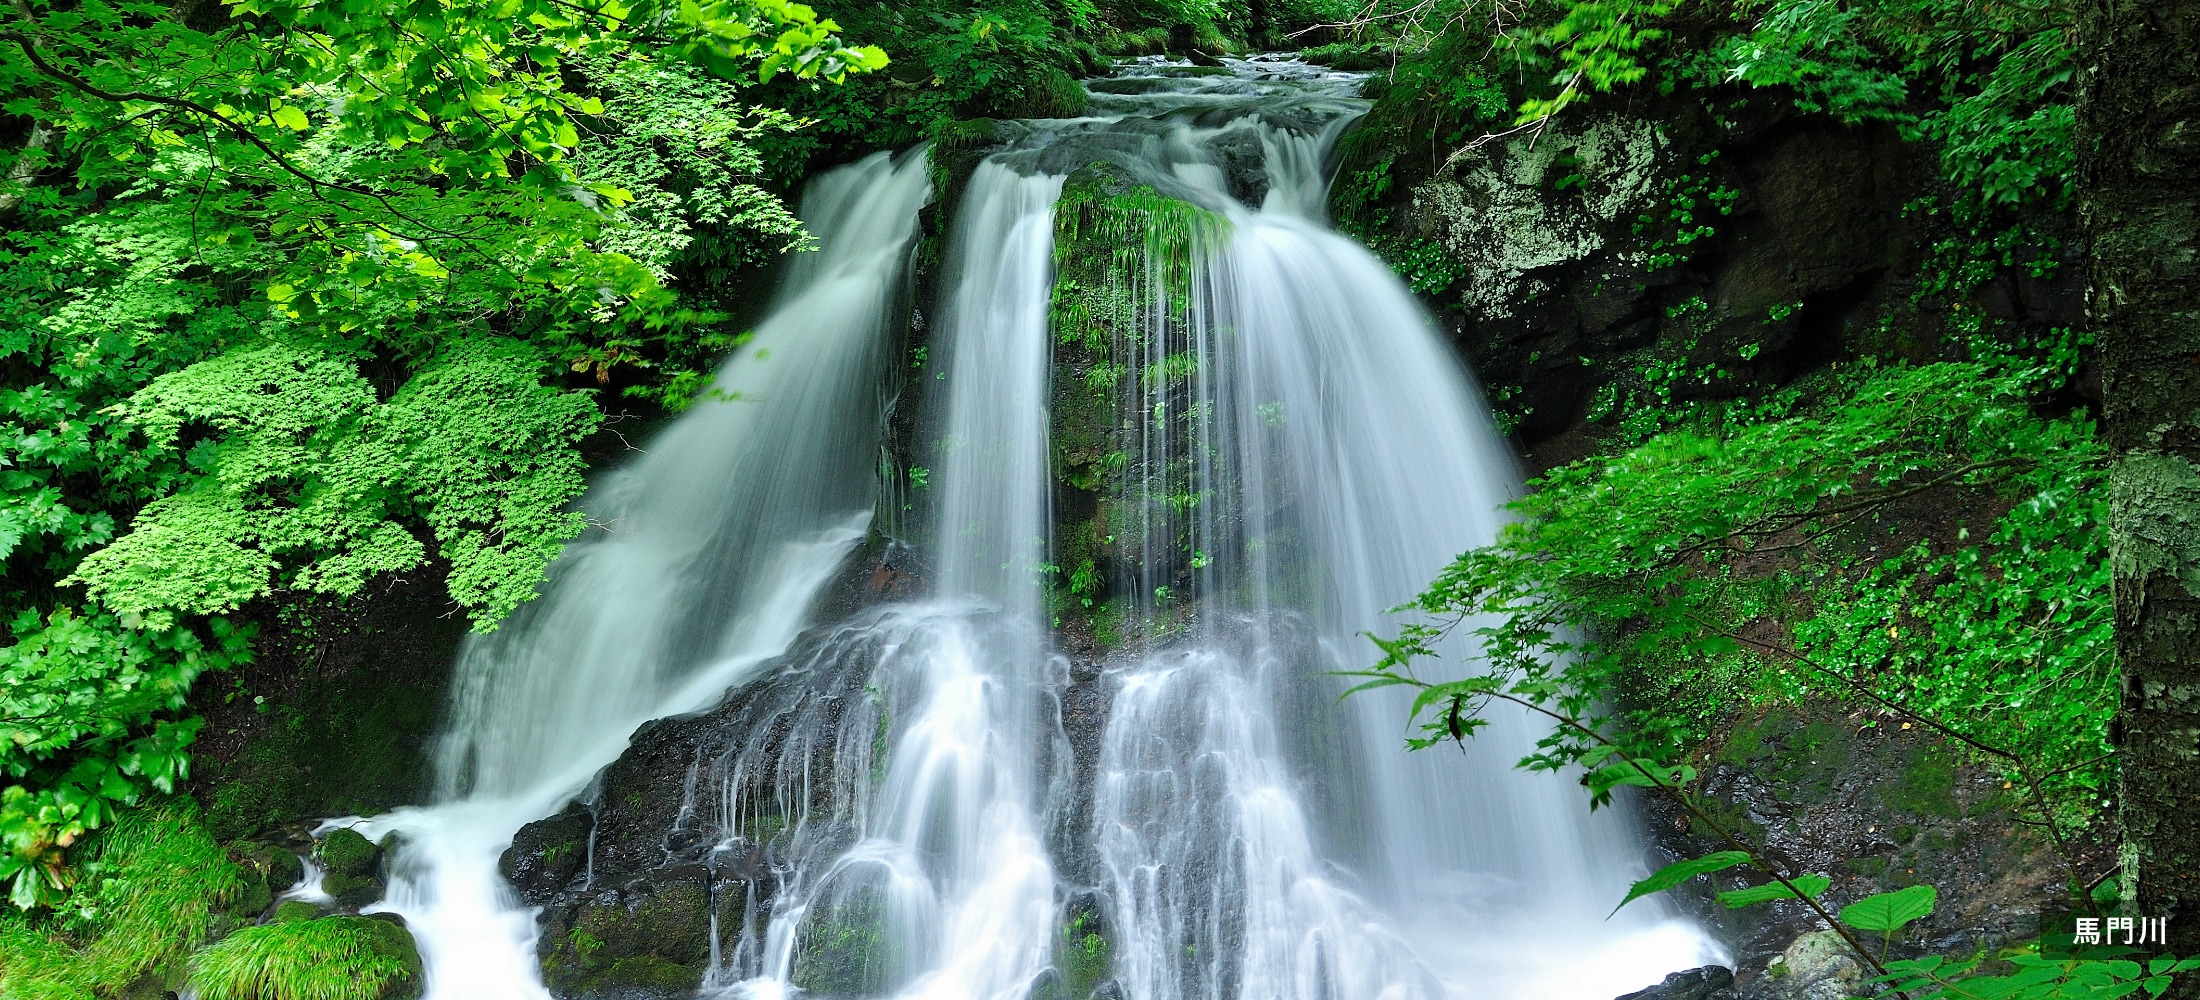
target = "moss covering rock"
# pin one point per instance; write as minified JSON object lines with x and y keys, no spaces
{"x":653,"y":942}
{"x":331,"y":958}
{"x":351,"y":861}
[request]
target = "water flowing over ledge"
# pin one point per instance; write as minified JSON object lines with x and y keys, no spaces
{"x":895,"y":805}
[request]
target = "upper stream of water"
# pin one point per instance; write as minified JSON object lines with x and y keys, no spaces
{"x":1234,"y":828}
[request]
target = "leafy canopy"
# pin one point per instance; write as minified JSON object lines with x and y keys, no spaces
{"x":293,"y":293}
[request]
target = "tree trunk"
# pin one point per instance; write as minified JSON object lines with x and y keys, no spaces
{"x":2139,"y":184}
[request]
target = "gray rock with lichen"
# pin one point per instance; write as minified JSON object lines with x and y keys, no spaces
{"x":1516,"y":206}
{"x":1817,"y":966}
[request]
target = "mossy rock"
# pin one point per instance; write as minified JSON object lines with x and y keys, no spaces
{"x":351,"y":891}
{"x":284,"y":867}
{"x":331,"y":958}
{"x":650,"y":975}
{"x":254,"y":898}
{"x":347,"y":852}
{"x":295,"y":909}
{"x":672,"y":924}
{"x":268,"y":869}
{"x":651,"y":944}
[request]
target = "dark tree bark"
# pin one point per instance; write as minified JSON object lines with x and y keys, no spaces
{"x":2139,"y":184}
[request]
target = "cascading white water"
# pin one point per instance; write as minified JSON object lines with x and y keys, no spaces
{"x":951,"y":869}
{"x":1338,"y":457}
{"x":1323,"y":455}
{"x":703,"y":560}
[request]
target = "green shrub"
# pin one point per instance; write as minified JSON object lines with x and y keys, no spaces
{"x":149,"y":893}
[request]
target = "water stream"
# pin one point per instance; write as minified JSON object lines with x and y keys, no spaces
{"x":703,"y":560}
{"x":1303,"y":452}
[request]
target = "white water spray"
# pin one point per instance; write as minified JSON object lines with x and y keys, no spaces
{"x":704,"y":560}
{"x":1249,"y":837}
{"x":951,"y":868}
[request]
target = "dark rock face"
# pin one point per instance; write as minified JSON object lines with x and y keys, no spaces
{"x":1753,"y":240}
{"x":1874,"y":807}
{"x":1712,"y":982}
{"x":684,"y":829}
{"x":353,"y":691}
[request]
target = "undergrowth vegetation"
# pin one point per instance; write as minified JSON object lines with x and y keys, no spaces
{"x":1909,"y":528}
{"x":152,"y":886}
{"x":331,"y":958}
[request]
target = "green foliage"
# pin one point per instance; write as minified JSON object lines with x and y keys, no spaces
{"x":148,"y":893}
{"x":1426,"y":266}
{"x":1803,"y":885}
{"x":1889,"y":912}
{"x":80,"y":700}
{"x":1687,"y":212}
{"x":331,"y":958}
{"x":1935,"y":977}
{"x":1000,"y":59}
{"x":1681,"y":871}
{"x":681,"y":144}
{"x":302,"y":478}
{"x":290,"y":290}
{"x":1597,"y":43}
{"x":1118,"y":252}
{"x":1635,"y":590}
{"x":1987,"y":86}
{"x":1083,"y":954}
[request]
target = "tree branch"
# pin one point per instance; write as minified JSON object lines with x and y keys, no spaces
{"x":233,"y":127}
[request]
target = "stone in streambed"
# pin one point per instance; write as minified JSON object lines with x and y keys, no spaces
{"x":650,"y":940}
{"x":1712,"y":982}
{"x":268,"y":869}
{"x":295,"y":909}
{"x":347,"y":852}
{"x":351,"y":861}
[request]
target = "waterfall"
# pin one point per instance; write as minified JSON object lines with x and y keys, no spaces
{"x":949,"y":867}
{"x":703,"y":559}
{"x":1276,"y":446}
{"x":1320,"y":455}
{"x":1345,"y":458}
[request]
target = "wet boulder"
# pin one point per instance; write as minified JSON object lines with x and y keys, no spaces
{"x":647,"y":940}
{"x":549,"y":855}
{"x":1712,"y":982}
{"x":352,"y":863}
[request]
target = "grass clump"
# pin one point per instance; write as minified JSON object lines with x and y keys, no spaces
{"x":333,"y":958}
{"x":153,"y":889}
